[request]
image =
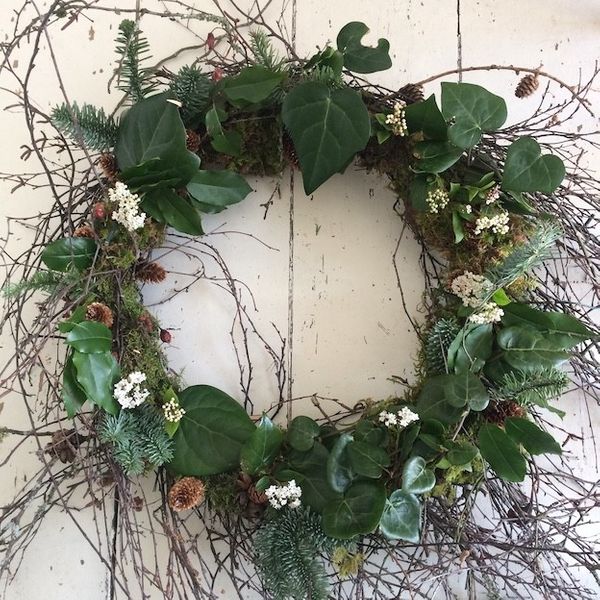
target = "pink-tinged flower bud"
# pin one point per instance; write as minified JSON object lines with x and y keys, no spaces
{"x":165,"y":336}
{"x":217,"y":74}
{"x":99,"y":211}
{"x":211,"y":41}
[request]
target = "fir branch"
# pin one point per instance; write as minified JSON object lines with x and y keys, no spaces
{"x":437,"y":342}
{"x":43,"y":281}
{"x":192,"y":88}
{"x":264,"y":53}
{"x":326,"y":75}
{"x":87,"y":126}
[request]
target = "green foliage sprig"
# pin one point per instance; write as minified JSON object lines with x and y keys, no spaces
{"x":87,"y":126}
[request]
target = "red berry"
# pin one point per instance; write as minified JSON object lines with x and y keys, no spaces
{"x":165,"y":336}
{"x":217,"y":74}
{"x":211,"y":41}
{"x":99,"y":211}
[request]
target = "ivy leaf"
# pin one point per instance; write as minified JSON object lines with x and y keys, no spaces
{"x":435,"y":157}
{"x":461,"y":453}
{"x":471,"y":348}
{"x":302,"y":433}
{"x":358,"y":511}
{"x":211,"y":433}
{"x":97,"y":374}
{"x":366,"y":431}
{"x":90,"y":337}
{"x":367,"y":460}
{"x":328,"y":57}
{"x":69,"y":252}
{"x":531,"y":437}
{"x":473,"y":110}
{"x":167,"y":206}
{"x":253,"y":85}
{"x":72,"y":395}
{"x":214,"y":191}
{"x":432,"y":403}
{"x":262,"y":447}
{"x":339,"y":470}
{"x":426,"y":117}
{"x":225,"y":142}
{"x":77,"y":316}
{"x":525,"y":348}
{"x":527,"y":170}
{"x":466,"y":388}
{"x":158,"y":173}
{"x":401,"y":518}
{"x":501,"y":453}
{"x":328,"y":127}
{"x":416,"y":477}
{"x":359,"y":58}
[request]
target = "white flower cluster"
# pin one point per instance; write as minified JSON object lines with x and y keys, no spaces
{"x":490,"y":312}
{"x":397,"y":120}
{"x":492,"y":195}
{"x":128,"y":392}
{"x":128,"y":207}
{"x":403,"y":418}
{"x":172,"y":411}
{"x":498,"y":224}
{"x":437,"y":200}
{"x":471,"y":288}
{"x":284,"y":495}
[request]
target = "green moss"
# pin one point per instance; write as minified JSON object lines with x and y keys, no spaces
{"x":222,"y":493}
{"x":262,"y":152}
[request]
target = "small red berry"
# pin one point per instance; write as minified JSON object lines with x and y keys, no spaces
{"x":217,"y":74}
{"x":211,"y":41}
{"x":99,"y":211}
{"x":165,"y":336}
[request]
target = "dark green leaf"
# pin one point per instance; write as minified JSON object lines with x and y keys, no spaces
{"x":473,"y":110}
{"x":466,"y":388}
{"x":167,"y":206}
{"x":302,"y":433}
{"x":418,"y":190}
{"x":471,"y":348}
{"x":225,"y":142}
{"x":90,"y":337}
{"x":401,"y":518}
{"x":416,"y":477}
{"x":69,"y":252}
{"x":339,"y":470}
{"x":77,"y":316}
{"x":211,"y":433}
{"x":457,"y":227}
{"x":525,"y":348}
{"x":262,"y":447}
{"x":328,"y":127}
{"x":366,"y":431}
{"x":426,"y":117}
{"x":359,"y":58}
{"x":329,"y":57}
{"x":526,"y":170}
{"x":461,"y":453}
{"x":531,"y":437}
{"x":432,"y":403}
{"x":253,"y":84}
{"x":501,"y":453}
{"x":73,"y":395}
{"x":216,"y":190}
{"x":435,"y":157}
{"x":97,"y":374}
{"x":367,"y":460}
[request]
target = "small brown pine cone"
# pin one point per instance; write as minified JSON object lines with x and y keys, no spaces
{"x":255,"y":496}
{"x":137,"y":503}
{"x":244,"y":481}
{"x":527,"y":86}
{"x":96,"y":311}
{"x":146,"y":321}
{"x":108,"y":164}
{"x":500,"y":411}
{"x":192,"y":140}
{"x":63,"y":445}
{"x":84,"y":231}
{"x":186,"y":493}
{"x":150,"y":272}
{"x":411,"y":93}
{"x":289,"y":152}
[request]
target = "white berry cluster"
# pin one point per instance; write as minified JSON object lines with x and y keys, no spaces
{"x":172,"y":411}
{"x":403,"y":418}
{"x":497,"y":224}
{"x":128,"y":392}
{"x":128,"y":207}
{"x":397,"y":120}
{"x":492,"y":195}
{"x":471,"y":288}
{"x":490,"y":312}
{"x":437,"y":200}
{"x":284,"y":495}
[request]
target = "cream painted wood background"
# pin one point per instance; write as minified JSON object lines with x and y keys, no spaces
{"x":322,"y":272}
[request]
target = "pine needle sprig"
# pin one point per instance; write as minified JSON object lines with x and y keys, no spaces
{"x":43,"y":281}
{"x":87,"y":126}
{"x":192,"y":88}
{"x":437,"y":342}
{"x":264,"y":53}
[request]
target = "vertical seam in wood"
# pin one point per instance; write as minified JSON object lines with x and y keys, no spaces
{"x":459,"y":62}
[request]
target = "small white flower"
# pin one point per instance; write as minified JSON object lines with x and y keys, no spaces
{"x":490,"y":312}
{"x":127,"y":391}
{"x":287,"y":494}
{"x":172,"y":411}
{"x":498,"y":224}
{"x":128,"y":207}
{"x":492,"y":195}
{"x":468,"y":209}
{"x":471,"y":288}
{"x":437,"y":200}
{"x":403,"y":418}
{"x":397,"y":120}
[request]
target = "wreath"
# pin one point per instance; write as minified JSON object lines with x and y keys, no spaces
{"x":383,"y":475}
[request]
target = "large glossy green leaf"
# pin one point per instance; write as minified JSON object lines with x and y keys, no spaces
{"x":328,"y":127}
{"x":211,"y":433}
{"x":526,"y":348}
{"x":225,"y":142}
{"x":157,"y":173}
{"x":502,"y":454}
{"x":358,"y":511}
{"x":302,"y":433}
{"x":339,"y":469}
{"x":150,"y":129}
{"x":432,"y":403}
{"x":359,"y":58}
{"x":97,"y":374}
{"x":527,"y":170}
{"x":214,"y":191}
{"x":69,"y":252}
{"x":426,"y":117}
{"x":367,"y":460}
{"x":472,"y":110}
{"x":167,"y":206}
{"x":90,"y":337}
{"x":531,"y":437}
{"x":262,"y":447}
{"x":73,"y":395}
{"x":471,"y":348}
{"x":253,"y":85}
{"x":435,"y":157}
{"x":466,"y":388}
{"x":416,"y":477}
{"x":401,"y":518}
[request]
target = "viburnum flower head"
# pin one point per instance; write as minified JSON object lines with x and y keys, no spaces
{"x":490,"y":312}
{"x":128,"y":207}
{"x":128,"y":392}
{"x":287,"y":494}
{"x":397,"y":120}
{"x":402,"y":418}
{"x":471,"y":288}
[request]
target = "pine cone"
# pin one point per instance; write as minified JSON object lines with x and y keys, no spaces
{"x":150,"y":272}
{"x":146,"y":321}
{"x":192,"y":140}
{"x":500,"y":411}
{"x":411,"y":93}
{"x":96,"y":311}
{"x":137,"y":503}
{"x":527,"y":86}
{"x":255,"y":496}
{"x":289,"y":152}
{"x":84,"y":231}
{"x":244,"y":481}
{"x":186,"y":493}
{"x":108,"y":164}
{"x":63,"y":445}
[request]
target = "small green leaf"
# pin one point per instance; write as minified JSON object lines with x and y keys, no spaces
{"x":167,"y":206}
{"x":525,"y":348}
{"x":214,"y":191}
{"x":457,"y":227}
{"x":329,"y":57}
{"x":531,"y":437}
{"x":500,"y":297}
{"x":367,"y":431}
{"x":359,"y":58}
{"x":73,"y":395}
{"x":77,"y":316}
{"x":461,"y":453}
{"x":339,"y":470}
{"x":401,"y":518}
{"x":416,"y":477}
{"x":466,"y":388}
{"x":302,"y":433}
{"x":432,"y":403}
{"x":527,"y":170}
{"x":501,"y":453}
{"x":90,"y":337}
{"x":367,"y":460}
{"x":69,"y":252}
{"x":253,"y":85}
{"x":435,"y":157}
{"x":97,"y":374}
{"x":262,"y":447}
{"x":225,"y":142}
{"x":471,"y":348}
{"x":426,"y":117}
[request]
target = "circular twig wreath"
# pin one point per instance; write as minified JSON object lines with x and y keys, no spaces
{"x":347,"y":496}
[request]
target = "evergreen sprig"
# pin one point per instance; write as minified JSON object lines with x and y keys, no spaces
{"x":264,"y":53}
{"x":437,"y":342}
{"x":43,"y":281}
{"x":87,"y":126}
{"x":192,"y":88}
